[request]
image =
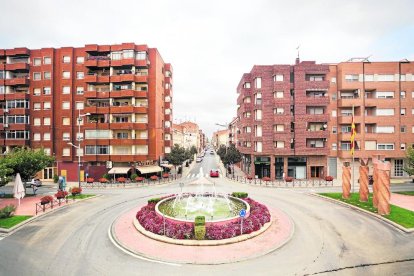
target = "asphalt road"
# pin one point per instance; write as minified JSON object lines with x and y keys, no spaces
{"x":329,"y":239}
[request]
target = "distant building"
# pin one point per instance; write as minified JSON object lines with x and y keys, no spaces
{"x":295,"y":120}
{"x":188,"y":134}
{"x":221,"y":137}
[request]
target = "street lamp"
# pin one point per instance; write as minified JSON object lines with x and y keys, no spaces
{"x":78,"y":147}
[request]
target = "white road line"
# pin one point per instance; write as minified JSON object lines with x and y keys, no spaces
{"x":137,"y":256}
{"x":188,"y":176}
{"x":1,"y":238}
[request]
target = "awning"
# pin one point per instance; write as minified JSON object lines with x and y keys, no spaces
{"x":167,"y":166}
{"x":149,"y":169}
{"x":119,"y":170}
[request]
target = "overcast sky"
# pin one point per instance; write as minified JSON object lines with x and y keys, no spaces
{"x":212,"y":43}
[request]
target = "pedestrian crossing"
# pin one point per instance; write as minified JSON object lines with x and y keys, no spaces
{"x":197,"y":175}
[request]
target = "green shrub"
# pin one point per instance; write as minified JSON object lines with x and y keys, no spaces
{"x":240,"y":194}
{"x":133,"y":176}
{"x":107,"y":176}
{"x":200,"y":232}
{"x":154,"y":200}
{"x":7,"y":211}
{"x":55,"y":178}
{"x":200,"y":221}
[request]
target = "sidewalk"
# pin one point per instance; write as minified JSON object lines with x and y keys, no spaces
{"x":27,"y":205}
{"x":403,"y":201}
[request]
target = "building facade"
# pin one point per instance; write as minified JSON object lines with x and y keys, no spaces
{"x":187,"y":135}
{"x":120,"y":96}
{"x":295,"y":120}
{"x":221,"y":137}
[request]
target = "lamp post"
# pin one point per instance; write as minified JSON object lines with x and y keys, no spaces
{"x":78,"y":147}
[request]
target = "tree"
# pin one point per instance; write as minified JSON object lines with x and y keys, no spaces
{"x":4,"y":174}
{"x":221,"y":151}
{"x":232,"y":155}
{"x":26,"y":161}
{"x":193,"y":150}
{"x":409,"y":167}
{"x":177,"y":156}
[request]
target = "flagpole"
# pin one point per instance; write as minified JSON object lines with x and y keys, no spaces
{"x":353,"y":152}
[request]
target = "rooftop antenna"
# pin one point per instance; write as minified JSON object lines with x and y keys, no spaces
{"x":298,"y":58}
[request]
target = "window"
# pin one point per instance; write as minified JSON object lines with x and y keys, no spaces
{"x":37,"y":106}
{"x":258,"y":131}
{"x":334,"y":130}
{"x":66,"y":136}
{"x":402,"y":111}
{"x":315,"y":77}
{"x":346,"y":129}
{"x":279,"y":111}
{"x":333,"y":80}
{"x":65,"y":121}
{"x":79,"y":90}
{"x":116,"y":56}
{"x":403,"y":129}
{"x":47,"y":60}
{"x":246,"y":85}
{"x":248,"y":114}
{"x":258,"y":83}
{"x":36,"y":121}
{"x":97,"y":134}
{"x":279,"y":128}
{"x":66,"y":105}
{"x":46,"y":105}
{"x":334,"y":146}
{"x":369,"y":78}
{"x":46,"y":136}
{"x":384,"y":129}
{"x":384,"y":112}
{"x":315,"y":110}
{"x":316,"y":144}
{"x":385,"y":146}
{"x":247,"y":100}
{"x":258,"y":146}
{"x":46,"y":121}
{"x":79,"y":75}
{"x":66,"y":152}
{"x":141,"y":149}
{"x":79,"y":152}
{"x":258,"y":114}
{"x":66,"y":75}
{"x":370,"y":145}
{"x":334,"y":113}
{"x":351,"y":78}
{"x":128,"y":54}
{"x":2,"y":89}
{"x":258,"y":98}
{"x":66,"y":59}
{"x":412,"y":111}
{"x":47,"y":75}
{"x":80,"y":60}
{"x":97,"y":149}
{"x":278,"y":94}
{"x":279,"y":144}
{"x":141,"y":55}
{"x":278,"y":77}
{"x":398,"y":167}
{"x":79,"y":105}
{"x":36,"y":136}
{"x":37,"y":61}
{"x":37,"y":76}
{"x":334,"y":97}
{"x":36,"y":92}
{"x":402,"y":94}
{"x":384,"y":95}
{"x":47,"y":91}
{"x":66,"y":90}
{"x":402,"y":146}
{"x":248,"y":129}
{"x":385,"y":77}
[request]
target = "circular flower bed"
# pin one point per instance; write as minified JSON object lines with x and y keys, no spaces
{"x":259,"y":215}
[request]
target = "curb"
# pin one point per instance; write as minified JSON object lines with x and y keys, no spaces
{"x":11,"y":230}
{"x":114,"y":239}
{"x":379,"y":217}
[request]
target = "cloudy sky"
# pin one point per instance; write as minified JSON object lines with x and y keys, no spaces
{"x":212,"y":43}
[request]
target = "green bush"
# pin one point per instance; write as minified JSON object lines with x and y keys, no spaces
{"x":200,"y":232}
{"x":133,"y":176}
{"x":107,"y":176}
{"x":154,"y":200}
{"x":200,"y":221}
{"x":7,"y":211}
{"x":55,"y":178}
{"x":240,"y":194}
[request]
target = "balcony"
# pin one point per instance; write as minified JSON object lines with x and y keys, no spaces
{"x":104,"y":62}
{"x":128,"y":93}
{"x":141,"y":78}
{"x":348,"y":119}
{"x":19,"y":66}
{"x":16,"y":142}
{"x":122,"y":62}
{"x":122,"y":109}
{"x":141,"y":109}
{"x":317,"y":100}
{"x":316,"y":134}
{"x":123,"y":78}
{"x":316,"y":84}
{"x":167,"y":117}
{"x":24,"y":81}
{"x":141,"y":62}
{"x":97,"y":78}
{"x":349,"y":102}
{"x":140,"y":94}
{"x":18,"y":52}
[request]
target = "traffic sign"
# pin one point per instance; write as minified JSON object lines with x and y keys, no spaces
{"x":242,"y":213}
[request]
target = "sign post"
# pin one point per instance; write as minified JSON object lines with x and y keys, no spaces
{"x":242,"y":214}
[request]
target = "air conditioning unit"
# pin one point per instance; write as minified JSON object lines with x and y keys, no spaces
{"x":5,"y":125}
{"x":6,"y":110}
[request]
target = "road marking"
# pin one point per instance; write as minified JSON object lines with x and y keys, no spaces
{"x":1,"y":237}
{"x":137,"y":256}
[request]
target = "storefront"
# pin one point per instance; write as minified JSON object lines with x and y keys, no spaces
{"x":262,"y":166}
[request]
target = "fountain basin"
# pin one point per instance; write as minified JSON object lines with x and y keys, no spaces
{"x":213,"y":208}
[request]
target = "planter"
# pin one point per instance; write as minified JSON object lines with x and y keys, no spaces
{"x":154,"y":177}
{"x":139,"y":179}
{"x":121,"y":179}
{"x":90,"y":180}
{"x":288,"y":179}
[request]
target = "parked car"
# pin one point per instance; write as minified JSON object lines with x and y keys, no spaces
{"x":35,"y":182}
{"x":199,"y":159}
{"x":211,"y":152}
{"x":214,"y":173}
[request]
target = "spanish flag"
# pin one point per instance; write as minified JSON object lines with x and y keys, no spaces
{"x":353,"y":134}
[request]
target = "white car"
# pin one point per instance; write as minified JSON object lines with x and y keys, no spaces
{"x":199,"y":159}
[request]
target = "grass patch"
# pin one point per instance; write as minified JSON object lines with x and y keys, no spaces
{"x":398,"y":215}
{"x":81,"y":196}
{"x":12,"y":221}
{"x":410,"y":193}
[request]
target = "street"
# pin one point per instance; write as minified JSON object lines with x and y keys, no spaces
{"x":328,"y":237}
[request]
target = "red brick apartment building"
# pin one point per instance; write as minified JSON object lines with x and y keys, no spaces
{"x":295,"y":120}
{"x":120,"y":95}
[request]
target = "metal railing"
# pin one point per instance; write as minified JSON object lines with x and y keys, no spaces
{"x":129,"y":183}
{"x":314,"y":182}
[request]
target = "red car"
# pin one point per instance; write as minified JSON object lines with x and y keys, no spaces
{"x":214,"y":173}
